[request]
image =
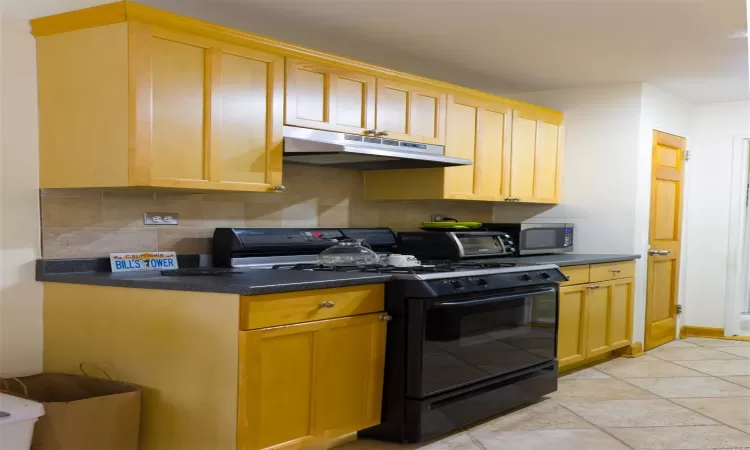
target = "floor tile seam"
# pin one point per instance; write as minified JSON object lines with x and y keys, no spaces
{"x":707,"y":374}
{"x":597,"y":427}
{"x":736,"y":384}
{"x":733,"y":354}
{"x":711,"y":418}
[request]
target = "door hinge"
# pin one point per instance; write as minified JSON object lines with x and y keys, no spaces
{"x":679,"y":309}
{"x":687,"y":155}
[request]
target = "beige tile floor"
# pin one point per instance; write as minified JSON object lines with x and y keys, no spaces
{"x":690,"y":394}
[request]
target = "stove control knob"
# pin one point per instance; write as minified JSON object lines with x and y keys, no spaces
{"x":525,"y":277}
{"x":481,"y":282}
{"x":545,"y":276}
{"x":457,"y":284}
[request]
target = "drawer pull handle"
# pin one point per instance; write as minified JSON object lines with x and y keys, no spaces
{"x":592,"y":286}
{"x":386,"y":318}
{"x":616,"y":270}
{"x":327,"y":304}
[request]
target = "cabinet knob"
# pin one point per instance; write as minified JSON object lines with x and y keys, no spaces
{"x":327,"y":304}
{"x":386,"y":318}
{"x":381,"y":133}
{"x":278,"y":188}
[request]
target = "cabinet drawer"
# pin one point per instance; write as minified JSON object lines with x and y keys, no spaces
{"x":577,"y":274}
{"x":261,"y":311}
{"x":612,"y":271}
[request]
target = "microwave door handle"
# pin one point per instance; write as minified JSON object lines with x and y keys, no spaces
{"x":495,"y":299}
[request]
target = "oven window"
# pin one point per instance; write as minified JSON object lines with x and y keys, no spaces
{"x":465,"y":344}
{"x":540,"y":238}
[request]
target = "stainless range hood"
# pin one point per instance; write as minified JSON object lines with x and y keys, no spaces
{"x":353,"y":151}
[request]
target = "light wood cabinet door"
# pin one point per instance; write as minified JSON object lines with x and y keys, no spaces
{"x":597,"y":318}
{"x":571,"y":335}
{"x":480,"y":131}
{"x":206,"y":115}
{"x":329,"y":98}
{"x":410,"y":112}
{"x":310,"y":382}
{"x":620,"y":317}
{"x":536,"y":159}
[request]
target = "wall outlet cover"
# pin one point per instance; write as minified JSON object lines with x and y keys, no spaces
{"x":160,"y":218}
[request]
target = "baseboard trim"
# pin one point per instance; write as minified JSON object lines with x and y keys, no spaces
{"x":688,"y":331}
{"x":633,"y":350}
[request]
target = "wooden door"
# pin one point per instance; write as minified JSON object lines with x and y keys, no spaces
{"x":571,"y":335}
{"x":536,"y":158}
{"x":480,"y":131}
{"x":348,"y":375}
{"x":620,"y":317}
{"x":307,"y":383}
{"x":667,"y":172}
{"x":329,"y":98}
{"x":410,"y":112}
{"x":597,"y":318}
{"x":205,"y":114}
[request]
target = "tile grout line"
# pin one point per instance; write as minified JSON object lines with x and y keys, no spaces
{"x":596,"y":426}
{"x":690,"y":409}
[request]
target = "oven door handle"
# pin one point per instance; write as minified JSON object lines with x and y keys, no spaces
{"x":496,"y":299}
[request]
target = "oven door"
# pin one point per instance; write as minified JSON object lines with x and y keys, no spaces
{"x":465,"y":340}
{"x":545,"y":238}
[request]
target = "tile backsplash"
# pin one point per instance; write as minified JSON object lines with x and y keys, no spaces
{"x":82,"y":223}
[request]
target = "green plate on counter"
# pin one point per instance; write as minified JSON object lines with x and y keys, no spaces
{"x":452,"y":225}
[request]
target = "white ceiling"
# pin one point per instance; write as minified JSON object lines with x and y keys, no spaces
{"x":682,"y":46}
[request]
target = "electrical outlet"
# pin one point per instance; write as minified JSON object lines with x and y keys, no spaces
{"x":160,"y":218}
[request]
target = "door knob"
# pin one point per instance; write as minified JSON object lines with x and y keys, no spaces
{"x":658,"y":252}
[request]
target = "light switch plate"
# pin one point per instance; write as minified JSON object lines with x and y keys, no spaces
{"x":161,"y":218}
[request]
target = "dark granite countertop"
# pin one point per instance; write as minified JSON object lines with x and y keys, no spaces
{"x":572,"y":259}
{"x":253,"y":281}
{"x":248,"y":282}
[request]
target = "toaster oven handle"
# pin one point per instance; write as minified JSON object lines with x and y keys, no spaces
{"x":495,"y":299}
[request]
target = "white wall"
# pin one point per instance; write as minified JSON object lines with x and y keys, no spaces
{"x":20,"y":295}
{"x":708,"y":198}
{"x":607,"y":176}
{"x":602,"y":126}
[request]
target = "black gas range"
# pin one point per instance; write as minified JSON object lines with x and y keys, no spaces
{"x":468,"y":339}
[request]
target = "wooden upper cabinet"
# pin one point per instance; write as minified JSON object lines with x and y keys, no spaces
{"x":476,"y":129}
{"x":329,"y":98}
{"x":480,"y":131}
{"x":536,"y":157}
{"x":131,"y":96}
{"x":410,"y":112}
{"x":185,"y":111}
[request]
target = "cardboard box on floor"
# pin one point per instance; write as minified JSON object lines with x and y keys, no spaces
{"x":82,"y":413}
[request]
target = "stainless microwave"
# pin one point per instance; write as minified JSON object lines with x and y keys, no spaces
{"x":536,"y":238}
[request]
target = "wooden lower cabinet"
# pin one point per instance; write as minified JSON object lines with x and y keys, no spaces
{"x":594,"y":319}
{"x":311,"y":382}
{"x":571,"y":340}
